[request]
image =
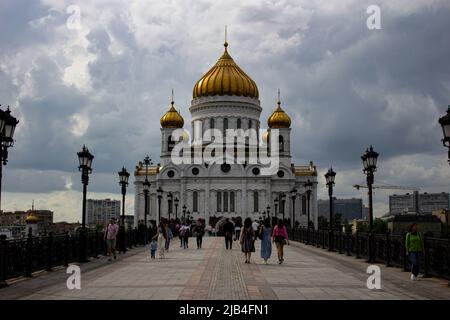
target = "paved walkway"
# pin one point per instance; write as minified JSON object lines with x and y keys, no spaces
{"x":215,"y":273}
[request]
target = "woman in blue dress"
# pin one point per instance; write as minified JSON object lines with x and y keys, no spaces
{"x":266,"y":240}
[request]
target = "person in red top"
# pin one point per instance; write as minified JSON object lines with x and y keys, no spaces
{"x":110,"y":236}
{"x":280,"y":237}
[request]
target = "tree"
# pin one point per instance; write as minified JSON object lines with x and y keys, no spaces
{"x":322,"y":223}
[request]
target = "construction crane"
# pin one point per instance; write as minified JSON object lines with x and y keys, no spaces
{"x":391,"y":187}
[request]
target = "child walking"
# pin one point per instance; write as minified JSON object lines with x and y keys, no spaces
{"x":153,"y":247}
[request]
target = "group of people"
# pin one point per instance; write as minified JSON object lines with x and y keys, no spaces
{"x":250,"y":231}
{"x":247,"y":235}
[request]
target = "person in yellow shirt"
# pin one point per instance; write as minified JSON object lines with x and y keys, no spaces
{"x":414,"y":247}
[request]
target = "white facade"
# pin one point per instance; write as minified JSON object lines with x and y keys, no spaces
{"x":212,"y":191}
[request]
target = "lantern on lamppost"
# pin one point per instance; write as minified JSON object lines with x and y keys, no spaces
{"x":308,"y":187}
{"x":369,"y":159}
{"x":444,"y":121}
{"x":8,"y":125}
{"x":159,"y":193}
{"x":124,"y":175}
{"x":85,"y":159}
{"x":293,"y":196}
{"x":176,"y":202}
{"x":329,"y":178}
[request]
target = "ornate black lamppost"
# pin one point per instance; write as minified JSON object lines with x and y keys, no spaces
{"x":293,"y":196}
{"x":169,"y":203}
{"x":159,"y":192}
{"x":176,"y":201}
{"x":188,"y":216}
{"x":369,"y":159}
{"x":184,"y":212}
{"x":308,"y":187}
{"x":329,"y":177}
{"x":146,"y":187}
{"x":276,"y":206}
{"x":268,"y":211}
{"x":444,"y":121}
{"x":124,"y":175}
{"x":85,"y":160}
{"x":282,"y":204}
{"x":7,"y":127}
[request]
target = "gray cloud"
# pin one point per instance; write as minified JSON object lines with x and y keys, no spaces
{"x":108,"y":84}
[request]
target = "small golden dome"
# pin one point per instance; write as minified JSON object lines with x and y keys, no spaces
{"x":225,"y":78}
{"x":279,"y":119}
{"x":31,"y":218}
{"x":172,"y":118}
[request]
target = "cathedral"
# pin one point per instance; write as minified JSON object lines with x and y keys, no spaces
{"x":225,"y":99}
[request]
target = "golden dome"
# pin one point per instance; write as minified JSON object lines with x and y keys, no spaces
{"x":31,"y":218}
{"x":279,"y":119}
{"x":172,"y":118}
{"x":225,"y":78}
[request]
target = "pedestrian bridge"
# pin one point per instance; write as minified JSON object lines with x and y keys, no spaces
{"x":213,"y":273}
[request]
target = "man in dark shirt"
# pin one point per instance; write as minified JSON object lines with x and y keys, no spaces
{"x":228,"y":230}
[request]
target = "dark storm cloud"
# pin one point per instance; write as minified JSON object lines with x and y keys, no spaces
{"x":344,"y":86}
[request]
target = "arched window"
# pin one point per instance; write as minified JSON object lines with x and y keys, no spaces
{"x":250,"y":124}
{"x":238,"y":125}
{"x":170,"y":143}
{"x":232,"y":209}
{"x":281,"y":143}
{"x":211,"y":123}
{"x":195,"y":201}
{"x":255,"y":201}
{"x":225,"y":126}
{"x":303,"y":204}
{"x":219,"y":201}
{"x":225,"y":202}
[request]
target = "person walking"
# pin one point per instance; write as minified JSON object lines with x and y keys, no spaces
{"x":184,"y":232}
{"x":237,"y":229}
{"x":110,"y":236}
{"x":199,"y":233}
{"x":153,"y":248}
{"x":247,"y":239}
{"x":228,"y":233}
{"x":169,"y":237}
{"x":414,"y":247}
{"x":280,"y":237}
{"x":161,"y":236}
{"x":265,"y":234}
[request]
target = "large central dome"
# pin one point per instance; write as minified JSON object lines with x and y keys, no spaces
{"x":225,"y":78}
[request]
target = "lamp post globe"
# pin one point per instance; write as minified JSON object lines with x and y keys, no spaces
{"x":85,"y":159}
{"x":329,"y":178}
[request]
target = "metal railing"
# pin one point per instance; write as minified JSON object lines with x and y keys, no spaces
{"x":388,"y":249}
{"x":23,"y":257}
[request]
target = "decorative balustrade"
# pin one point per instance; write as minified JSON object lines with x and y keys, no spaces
{"x":388,"y":249}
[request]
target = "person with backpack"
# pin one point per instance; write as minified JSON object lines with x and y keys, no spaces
{"x":184,"y":234}
{"x":414,"y":247}
{"x":265,"y":235}
{"x":228,"y":229}
{"x":199,"y":233}
{"x":280,"y":237}
{"x":247,"y":239}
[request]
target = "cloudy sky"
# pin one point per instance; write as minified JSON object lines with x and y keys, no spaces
{"x":106,"y":80}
